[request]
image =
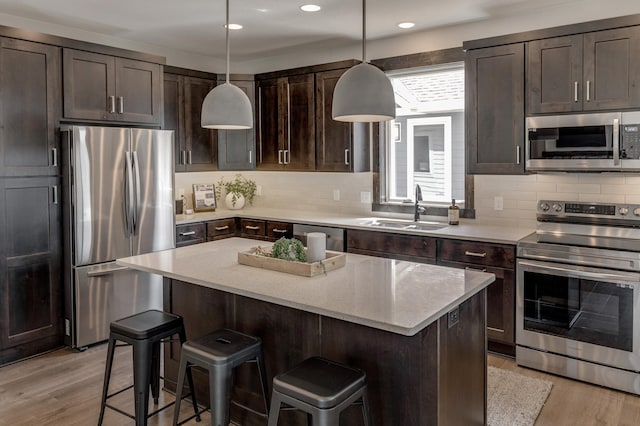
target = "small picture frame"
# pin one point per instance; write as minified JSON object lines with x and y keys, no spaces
{"x":204,"y":197}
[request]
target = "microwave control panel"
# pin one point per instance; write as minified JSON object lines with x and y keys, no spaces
{"x":630,"y":141}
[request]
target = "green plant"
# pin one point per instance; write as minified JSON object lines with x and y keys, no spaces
{"x":239,"y":185}
{"x":289,"y":249}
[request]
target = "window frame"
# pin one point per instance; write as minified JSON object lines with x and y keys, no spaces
{"x":379,"y":160}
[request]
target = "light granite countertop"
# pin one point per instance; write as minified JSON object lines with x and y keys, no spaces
{"x":397,"y":296}
{"x":467,"y":230}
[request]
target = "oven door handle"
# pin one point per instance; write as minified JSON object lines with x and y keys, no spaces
{"x":600,"y":276}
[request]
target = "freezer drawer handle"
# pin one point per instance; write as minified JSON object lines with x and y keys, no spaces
{"x":184,"y":234}
{"x":475,"y":254}
{"x":106,"y":271}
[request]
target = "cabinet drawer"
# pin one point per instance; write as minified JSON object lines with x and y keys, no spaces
{"x":277,"y":230}
{"x":499,"y":255}
{"x":192,"y":233}
{"x":397,"y":246}
{"x":252,"y":228}
{"x":223,"y":228}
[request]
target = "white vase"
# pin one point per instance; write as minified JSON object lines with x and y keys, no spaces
{"x":239,"y":201}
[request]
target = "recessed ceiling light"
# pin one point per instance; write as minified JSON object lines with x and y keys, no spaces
{"x":234,"y":26}
{"x":406,"y":24}
{"x":310,"y":7}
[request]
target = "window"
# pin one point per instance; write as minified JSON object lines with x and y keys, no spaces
{"x":424,"y":145}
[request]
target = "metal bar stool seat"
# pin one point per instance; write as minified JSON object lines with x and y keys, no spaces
{"x":144,"y":332}
{"x":321,"y":388}
{"x":219,"y":353}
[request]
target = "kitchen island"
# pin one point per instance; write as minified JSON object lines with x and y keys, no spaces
{"x":417,"y":330}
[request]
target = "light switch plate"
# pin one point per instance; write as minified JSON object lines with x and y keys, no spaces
{"x":365,"y":197}
{"x":336,"y":195}
{"x":498,"y":202}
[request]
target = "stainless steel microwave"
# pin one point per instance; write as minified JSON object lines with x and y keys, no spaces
{"x":584,"y":142}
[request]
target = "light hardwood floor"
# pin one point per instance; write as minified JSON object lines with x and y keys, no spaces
{"x":64,"y":388}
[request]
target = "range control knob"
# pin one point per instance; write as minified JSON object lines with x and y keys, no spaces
{"x":557,"y":207}
{"x":544,"y":207}
{"x":623,"y":211}
{"x":636,"y":211}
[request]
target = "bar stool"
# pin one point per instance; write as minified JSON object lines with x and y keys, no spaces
{"x":144,"y":332}
{"x":322,"y":389}
{"x":219,"y":353}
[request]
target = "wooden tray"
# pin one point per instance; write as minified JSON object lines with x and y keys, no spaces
{"x":333,"y":261}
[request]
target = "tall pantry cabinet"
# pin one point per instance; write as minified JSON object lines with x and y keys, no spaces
{"x":30,"y":211}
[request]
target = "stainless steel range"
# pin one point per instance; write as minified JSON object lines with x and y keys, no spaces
{"x":578,"y":285}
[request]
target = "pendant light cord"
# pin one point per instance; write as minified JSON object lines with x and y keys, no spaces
{"x":364,"y":31}
{"x":227,"y":32}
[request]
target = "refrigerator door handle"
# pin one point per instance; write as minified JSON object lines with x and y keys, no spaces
{"x":109,"y":271}
{"x":128,"y":194}
{"x":138,"y":205}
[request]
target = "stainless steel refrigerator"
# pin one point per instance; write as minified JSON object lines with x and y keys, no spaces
{"x":118,"y":201}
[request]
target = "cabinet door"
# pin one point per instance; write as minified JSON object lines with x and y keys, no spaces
{"x":30,"y":266}
{"x":270,"y":129}
{"x":201,"y":145}
{"x":174,"y":116}
{"x":29,"y":108}
{"x":138,"y":91}
{"x":612,"y":69}
{"x":299,"y":133}
{"x":494,"y":109}
{"x":237,"y":148}
{"x":340,"y":146}
{"x":89,"y":85}
{"x":554,"y":75}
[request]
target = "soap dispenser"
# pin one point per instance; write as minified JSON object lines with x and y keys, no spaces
{"x":454,"y":213}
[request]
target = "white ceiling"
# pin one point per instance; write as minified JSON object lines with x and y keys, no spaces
{"x":270,"y":26}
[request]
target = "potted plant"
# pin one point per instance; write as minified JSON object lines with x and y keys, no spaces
{"x":238,"y":191}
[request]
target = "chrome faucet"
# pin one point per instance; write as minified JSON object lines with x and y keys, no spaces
{"x":418,"y":209}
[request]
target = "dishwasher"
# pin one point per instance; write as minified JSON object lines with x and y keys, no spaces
{"x":335,"y":236}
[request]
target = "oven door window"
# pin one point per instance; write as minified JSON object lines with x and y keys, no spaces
{"x":585,"y":310}
{"x":585,"y":142}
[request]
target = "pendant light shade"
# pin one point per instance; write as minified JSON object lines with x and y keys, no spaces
{"x":226,"y":106}
{"x":364,"y":93}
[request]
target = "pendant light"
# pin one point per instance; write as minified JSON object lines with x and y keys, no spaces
{"x":364,"y":93}
{"x":226,"y":106}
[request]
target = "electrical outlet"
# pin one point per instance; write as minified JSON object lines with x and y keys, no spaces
{"x":365,"y":197}
{"x":258,"y":189}
{"x":180,"y":193}
{"x":498,"y":202}
{"x":454,"y":317}
{"x":336,"y":195}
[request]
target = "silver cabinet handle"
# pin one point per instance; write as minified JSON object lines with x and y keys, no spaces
{"x":346,"y":156}
{"x":112,"y":104}
{"x":250,"y":156}
{"x":475,"y":254}
{"x":575,"y":91}
{"x":287,"y":156}
{"x":468,"y":268}
{"x":189,"y":156}
{"x":280,"y":151}
{"x":187,"y":233}
{"x":518,"y":154}
{"x":280,"y":231}
{"x":55,"y":194}
{"x":252,"y":228}
{"x":588,"y":91}
{"x":54,"y":156}
{"x":222,"y":228}
{"x":183,"y":157}
{"x":121,"y":104}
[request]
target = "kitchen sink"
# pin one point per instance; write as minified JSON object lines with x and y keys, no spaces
{"x":403,"y":224}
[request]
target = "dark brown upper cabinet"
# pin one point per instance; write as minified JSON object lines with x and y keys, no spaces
{"x":30,"y":106}
{"x":286,"y":123}
{"x":195,"y":147}
{"x":340,"y":146}
{"x":494,"y":109}
{"x":586,"y":72}
{"x":106,"y":88}
{"x":237,"y":148}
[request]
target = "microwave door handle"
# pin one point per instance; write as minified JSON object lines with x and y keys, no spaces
{"x":616,"y":142}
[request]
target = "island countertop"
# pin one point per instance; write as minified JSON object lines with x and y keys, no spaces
{"x":397,"y":296}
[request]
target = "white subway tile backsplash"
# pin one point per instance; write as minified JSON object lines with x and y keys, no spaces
{"x":581,"y":188}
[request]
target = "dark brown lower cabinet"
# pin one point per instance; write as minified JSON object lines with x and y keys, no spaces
{"x":30,"y":266}
{"x":436,"y":377}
